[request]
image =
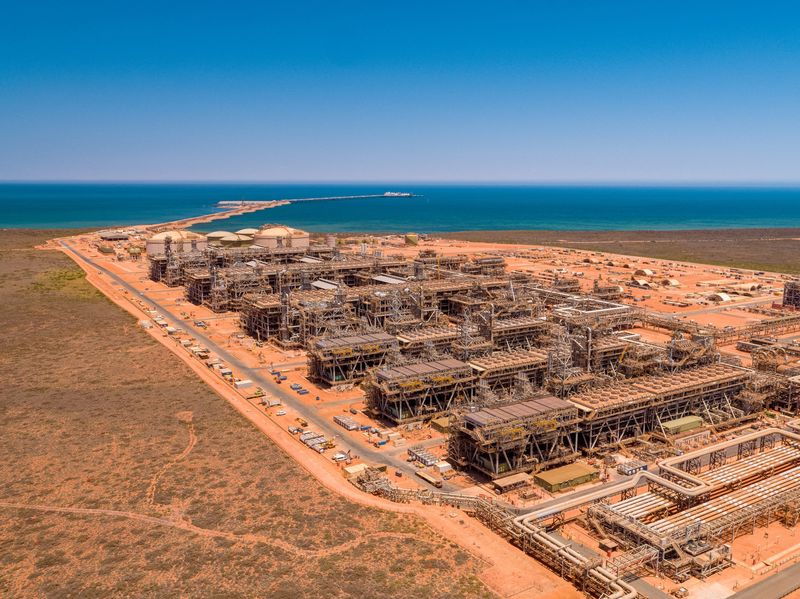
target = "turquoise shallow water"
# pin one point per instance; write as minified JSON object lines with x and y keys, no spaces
{"x":437,"y":207}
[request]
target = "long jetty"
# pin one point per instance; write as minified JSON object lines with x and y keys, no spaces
{"x":230,"y":203}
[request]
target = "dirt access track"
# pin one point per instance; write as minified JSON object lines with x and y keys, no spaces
{"x":511,"y":572}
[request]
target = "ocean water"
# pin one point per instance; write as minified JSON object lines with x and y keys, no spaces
{"x":435,"y":208}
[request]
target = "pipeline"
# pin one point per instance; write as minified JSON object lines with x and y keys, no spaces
{"x":699,"y":487}
{"x":619,"y":589}
{"x":526,"y":526}
{"x":607,"y":585}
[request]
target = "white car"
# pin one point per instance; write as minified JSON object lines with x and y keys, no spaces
{"x":280,"y":413}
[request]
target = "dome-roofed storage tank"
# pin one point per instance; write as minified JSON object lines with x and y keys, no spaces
{"x":214,"y":238}
{"x":236,"y":240}
{"x":274,"y":236}
{"x":180,"y":241}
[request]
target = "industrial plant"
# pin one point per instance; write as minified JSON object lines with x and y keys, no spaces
{"x":679,"y":433}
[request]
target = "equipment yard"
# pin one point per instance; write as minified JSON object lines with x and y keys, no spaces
{"x":612,"y":425}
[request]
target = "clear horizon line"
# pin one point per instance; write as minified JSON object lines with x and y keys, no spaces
{"x":479,"y":182}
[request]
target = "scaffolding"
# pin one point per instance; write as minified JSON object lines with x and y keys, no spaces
{"x":418,"y":391}
{"x":177,"y":263}
{"x":294,"y":319}
{"x":624,"y":410}
{"x":430,"y":259}
{"x":487,"y":265}
{"x":414,"y":342}
{"x":171,"y":267}
{"x":563,"y":377}
{"x":587,"y":574}
{"x":522,"y":331}
{"x":776,"y":326}
{"x":610,"y":293}
{"x":597,"y":353}
{"x":222,"y":289}
{"x":501,"y":369}
{"x":706,"y":499}
{"x":518,"y":437}
{"x":346,"y":359}
{"x":469,"y":344}
{"x":791,"y":294}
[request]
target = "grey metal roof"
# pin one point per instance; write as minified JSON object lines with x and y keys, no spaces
{"x":388,"y":279}
{"x":421,"y":369}
{"x":348,"y":340}
{"x":521,"y":410}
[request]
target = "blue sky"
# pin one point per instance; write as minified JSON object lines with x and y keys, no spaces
{"x":417,"y":91}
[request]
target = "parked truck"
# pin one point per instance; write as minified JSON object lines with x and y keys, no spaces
{"x":429,"y":479}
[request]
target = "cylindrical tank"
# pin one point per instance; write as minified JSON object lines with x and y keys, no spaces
{"x":281,"y":236}
{"x":215,"y":237}
{"x":180,"y":241}
{"x":236,"y":240}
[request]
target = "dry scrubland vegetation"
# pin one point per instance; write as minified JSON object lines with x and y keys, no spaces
{"x":94,"y":415}
{"x":760,"y":249}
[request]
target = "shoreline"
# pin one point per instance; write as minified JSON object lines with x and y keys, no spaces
{"x":222,"y":215}
{"x":766,"y":233}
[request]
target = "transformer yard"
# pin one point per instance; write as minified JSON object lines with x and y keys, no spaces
{"x":628,"y":423}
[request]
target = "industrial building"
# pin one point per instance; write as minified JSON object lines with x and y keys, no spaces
{"x":791,"y":294}
{"x":704,"y":499}
{"x":348,"y":358}
{"x":602,"y":416}
{"x":519,"y":437}
{"x":501,"y":370}
{"x":433,"y":336}
{"x":565,"y":477}
{"x":633,"y":407}
{"x":525,"y":374}
{"x":421,"y":390}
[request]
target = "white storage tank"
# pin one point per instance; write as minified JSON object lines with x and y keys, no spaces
{"x":281,"y":236}
{"x":180,"y":241}
{"x":215,"y":237}
{"x":236,"y":240}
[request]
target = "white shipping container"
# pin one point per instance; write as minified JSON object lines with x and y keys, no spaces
{"x":443,"y":467}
